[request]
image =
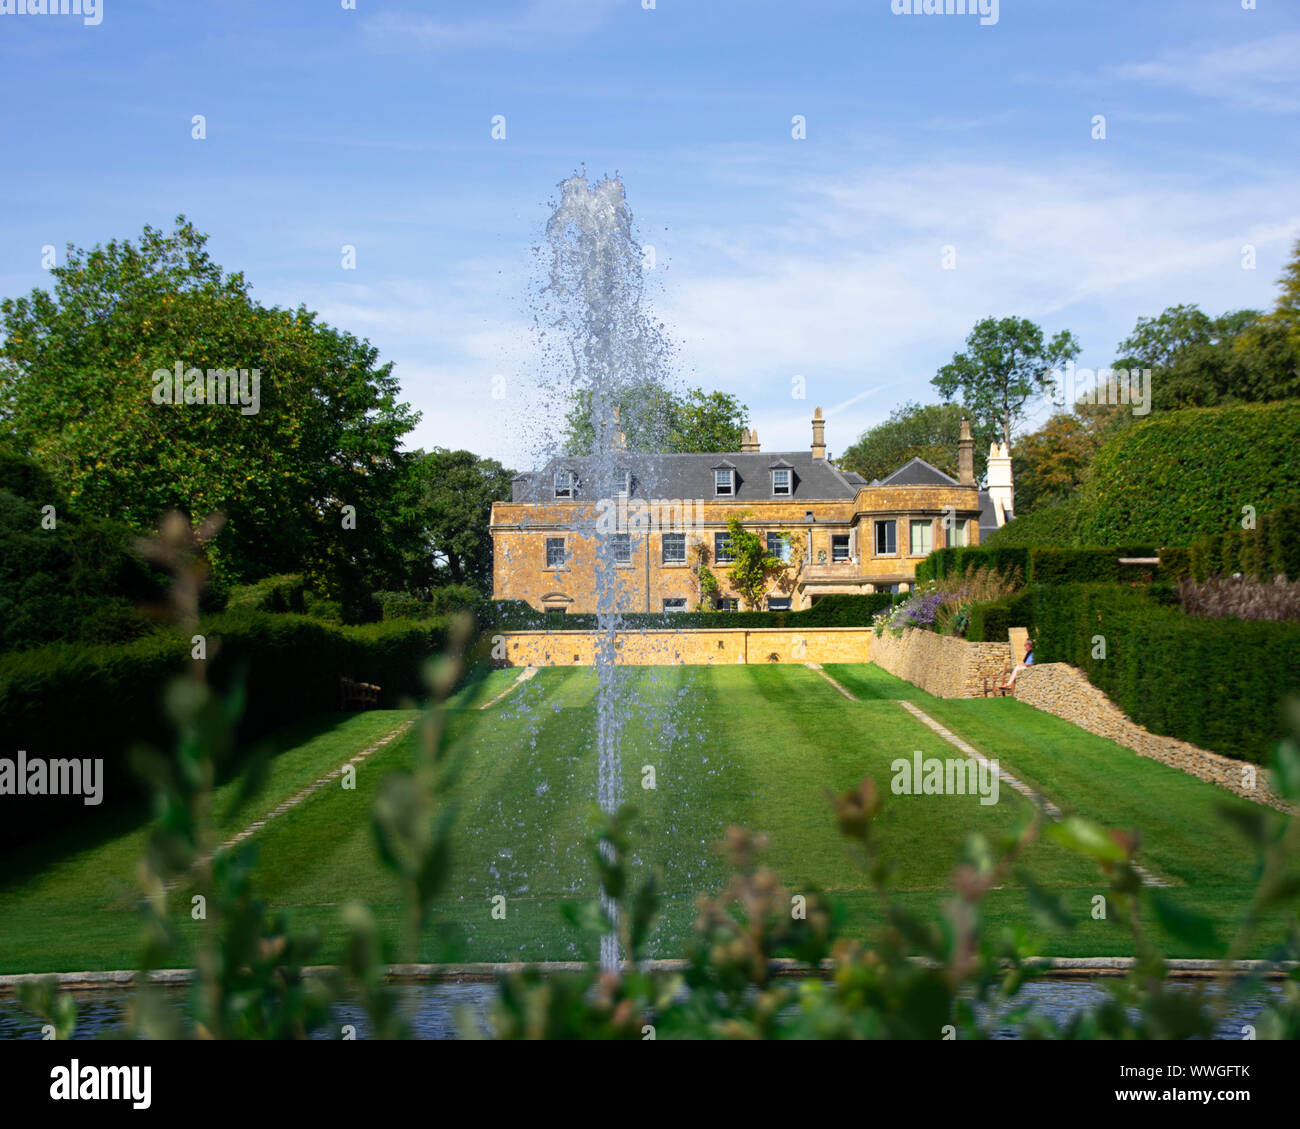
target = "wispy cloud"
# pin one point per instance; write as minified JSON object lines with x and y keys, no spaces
{"x":1261,"y":74}
{"x":533,"y":25}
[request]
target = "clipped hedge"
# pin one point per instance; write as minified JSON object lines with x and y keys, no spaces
{"x":990,"y":622}
{"x":1270,"y":549}
{"x":1178,"y":475}
{"x":82,"y":702}
{"x":1218,"y":683}
{"x":1081,"y":566}
{"x":947,"y":562}
{"x":1040,"y":565}
{"x":282,"y":593}
{"x":829,"y":611}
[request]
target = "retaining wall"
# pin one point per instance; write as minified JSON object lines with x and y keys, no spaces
{"x":941,"y":665}
{"x":700,"y":647}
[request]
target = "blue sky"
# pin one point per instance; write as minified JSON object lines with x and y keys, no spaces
{"x":775,"y":257}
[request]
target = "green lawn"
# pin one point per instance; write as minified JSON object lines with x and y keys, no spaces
{"x":752,"y":745}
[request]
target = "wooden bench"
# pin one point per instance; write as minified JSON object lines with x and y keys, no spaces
{"x":365,"y":694}
{"x":997,"y":688}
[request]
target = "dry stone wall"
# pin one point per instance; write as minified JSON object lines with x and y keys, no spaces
{"x":1064,"y":690}
{"x":942,"y":665}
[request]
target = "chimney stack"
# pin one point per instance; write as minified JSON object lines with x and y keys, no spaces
{"x":1002,"y":492}
{"x":749,"y":439}
{"x":966,"y":455}
{"x":819,"y":435}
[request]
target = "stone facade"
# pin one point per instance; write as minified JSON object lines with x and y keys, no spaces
{"x":546,"y":540}
{"x":942,"y":665}
{"x":1064,"y":690}
{"x":693,"y":648}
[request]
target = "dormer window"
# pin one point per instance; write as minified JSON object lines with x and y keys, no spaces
{"x":565,"y":484}
{"x":781,"y":485}
{"x":724,"y":482}
{"x":623,"y":483}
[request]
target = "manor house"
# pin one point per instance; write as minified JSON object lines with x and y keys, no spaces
{"x":666,"y":516}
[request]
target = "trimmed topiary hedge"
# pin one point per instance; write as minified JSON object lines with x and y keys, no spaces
{"x":66,"y":701}
{"x":945,"y":562}
{"x":829,"y":611}
{"x":1178,"y":475}
{"x":1218,"y":683}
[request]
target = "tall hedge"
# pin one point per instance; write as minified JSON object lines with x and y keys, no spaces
{"x":830,"y":611}
{"x":1218,"y":683}
{"x":1175,"y":476}
{"x":67,"y":701}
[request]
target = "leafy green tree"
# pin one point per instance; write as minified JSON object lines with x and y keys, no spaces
{"x":753,"y":566}
{"x":64,"y":577}
{"x":78,"y":388}
{"x":449,"y":501}
{"x":930,"y":432}
{"x":655,"y":419}
{"x":1050,"y":464}
{"x":1007,"y":362}
{"x":1240,"y":356}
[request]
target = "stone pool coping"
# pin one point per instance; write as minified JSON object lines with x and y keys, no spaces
{"x":1078,"y":967}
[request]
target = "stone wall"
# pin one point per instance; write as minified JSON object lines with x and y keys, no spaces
{"x":941,"y":665}
{"x":1064,"y":690}
{"x":693,"y":647}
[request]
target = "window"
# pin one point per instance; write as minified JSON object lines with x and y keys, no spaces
{"x":957,"y":535}
{"x":564,"y":483}
{"x":886,"y":538}
{"x":674,"y":548}
{"x":840,"y":547}
{"x":555,"y":557}
{"x":623,"y":480}
{"x":622,"y":543}
{"x":556,"y":611}
{"x":922,"y":532}
{"x":722,"y":548}
{"x":675,"y":605}
{"x":778,"y":603}
{"x":781,"y":481}
{"x":725,"y":605}
{"x":778,"y":545}
{"x":724,"y":483}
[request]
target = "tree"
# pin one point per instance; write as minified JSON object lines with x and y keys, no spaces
{"x":318,"y":433}
{"x":1007,"y":361}
{"x":656,"y":419}
{"x":752,"y":565}
{"x":1050,"y":464}
{"x":450,"y":502}
{"x":930,"y":432}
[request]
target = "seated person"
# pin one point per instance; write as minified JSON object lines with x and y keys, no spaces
{"x":1029,"y":661}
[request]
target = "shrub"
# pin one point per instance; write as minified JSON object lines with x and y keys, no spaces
{"x":1054,"y":524}
{"x":282,"y":593}
{"x":439,"y":601}
{"x":1178,"y":475}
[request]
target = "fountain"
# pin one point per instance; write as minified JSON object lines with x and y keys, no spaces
{"x":602,"y":341}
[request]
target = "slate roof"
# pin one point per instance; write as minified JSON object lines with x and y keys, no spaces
{"x":916,"y":472}
{"x":691,"y":476}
